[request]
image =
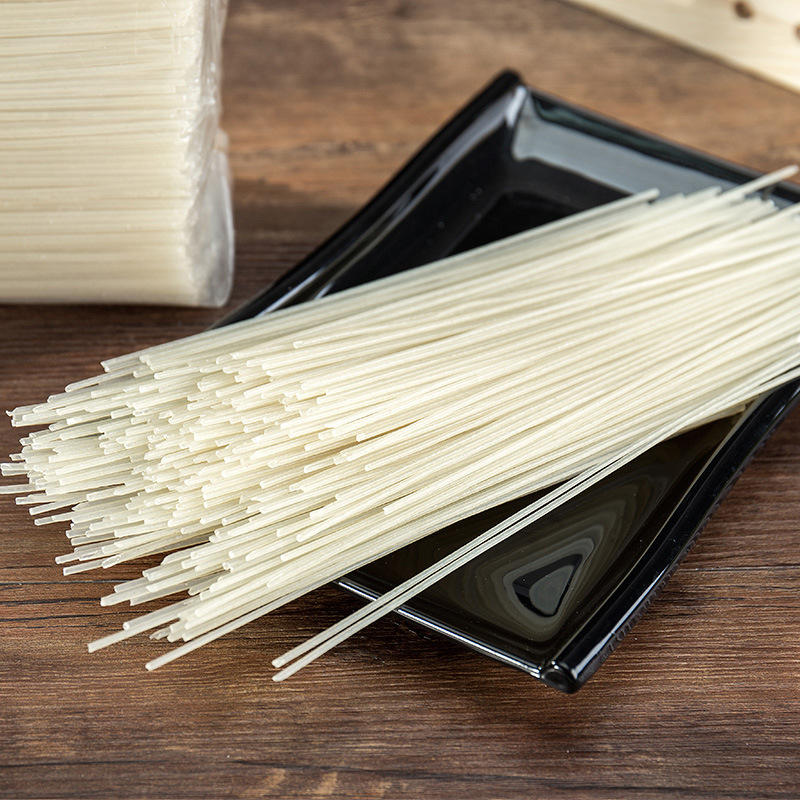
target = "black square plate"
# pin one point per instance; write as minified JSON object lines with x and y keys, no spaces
{"x":556,"y":598}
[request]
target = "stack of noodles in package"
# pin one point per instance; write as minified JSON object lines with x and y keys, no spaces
{"x":114,"y":182}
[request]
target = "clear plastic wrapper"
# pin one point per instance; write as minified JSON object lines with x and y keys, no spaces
{"x":114,"y":180}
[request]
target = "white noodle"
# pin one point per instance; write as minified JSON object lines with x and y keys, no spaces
{"x":273,"y":456}
{"x":114,"y":184}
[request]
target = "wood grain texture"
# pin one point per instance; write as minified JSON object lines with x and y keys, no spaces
{"x":324,"y":100}
{"x":758,"y":36}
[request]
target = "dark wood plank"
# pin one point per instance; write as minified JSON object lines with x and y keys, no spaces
{"x":324,"y":100}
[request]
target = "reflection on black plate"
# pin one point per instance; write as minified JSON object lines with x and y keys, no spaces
{"x":555,"y":599}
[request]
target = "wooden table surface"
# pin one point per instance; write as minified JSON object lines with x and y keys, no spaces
{"x":323,"y":101}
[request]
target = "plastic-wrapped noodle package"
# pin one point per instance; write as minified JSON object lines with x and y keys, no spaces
{"x":114,"y":183}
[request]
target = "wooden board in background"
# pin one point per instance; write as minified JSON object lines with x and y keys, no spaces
{"x":758,"y":36}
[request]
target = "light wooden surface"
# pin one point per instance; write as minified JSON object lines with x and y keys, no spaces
{"x":758,"y":36}
{"x":324,"y":100}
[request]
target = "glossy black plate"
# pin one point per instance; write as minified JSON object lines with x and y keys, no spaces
{"x":555,"y":599}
